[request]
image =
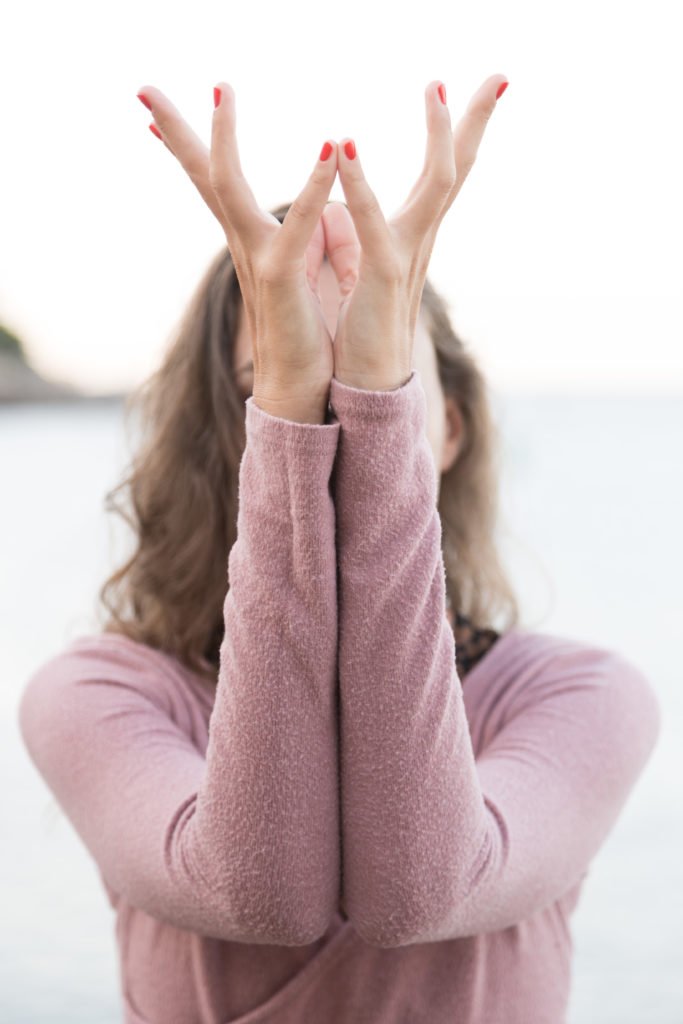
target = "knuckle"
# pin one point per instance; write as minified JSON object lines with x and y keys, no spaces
{"x":271,"y":273}
{"x":215,"y":176}
{"x":320,"y":177}
{"x":466,"y":166}
{"x":464,"y":162}
{"x":297,"y":211}
{"x":480,"y":115}
{"x":368,"y":205}
{"x":444,"y":180}
{"x":390,"y":272}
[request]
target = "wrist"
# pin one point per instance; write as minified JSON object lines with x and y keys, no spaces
{"x":295,"y":412}
{"x":379,"y":382}
{"x":298,"y":400}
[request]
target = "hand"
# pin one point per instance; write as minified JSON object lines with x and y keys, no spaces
{"x":277,"y":265}
{"x":381,"y":266}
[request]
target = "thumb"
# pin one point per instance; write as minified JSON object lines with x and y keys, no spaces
{"x":315,"y":251}
{"x":341,"y":245}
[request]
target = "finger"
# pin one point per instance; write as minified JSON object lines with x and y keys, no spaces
{"x":184,"y":144}
{"x":470,"y":129}
{"x":305,"y":212}
{"x":371,"y":227}
{"x":236,"y":199}
{"x":431,"y":192}
{"x":341,"y":245}
{"x":315,"y":252}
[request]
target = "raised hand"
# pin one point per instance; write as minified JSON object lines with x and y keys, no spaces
{"x":381,"y":266}
{"x":277,"y":265}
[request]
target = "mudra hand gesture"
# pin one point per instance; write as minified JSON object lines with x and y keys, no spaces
{"x":380,"y":265}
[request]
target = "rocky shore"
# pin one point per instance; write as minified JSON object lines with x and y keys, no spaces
{"x":20,"y":383}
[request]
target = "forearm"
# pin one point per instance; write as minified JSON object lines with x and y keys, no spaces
{"x":237,"y":839}
{"x":271,"y":799}
{"x":413,"y":820}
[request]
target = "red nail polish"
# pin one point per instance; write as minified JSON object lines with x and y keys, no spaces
{"x":350,"y":149}
{"x":502,"y":90}
{"x":155,"y":131}
{"x":442,"y":93}
{"x":325,"y":152}
{"x":143,"y":99}
{"x":216,"y":96}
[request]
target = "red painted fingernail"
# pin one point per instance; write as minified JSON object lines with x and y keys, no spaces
{"x":350,"y":149}
{"x":442,"y":93}
{"x":325,"y":152}
{"x":502,"y":90}
{"x":216,"y":96}
{"x":143,"y":99}
{"x":155,"y":131}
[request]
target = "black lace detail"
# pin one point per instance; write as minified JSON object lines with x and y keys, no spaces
{"x":471,"y":644}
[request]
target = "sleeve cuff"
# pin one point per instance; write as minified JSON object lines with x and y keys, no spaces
{"x":276,"y":432}
{"x":349,"y":403}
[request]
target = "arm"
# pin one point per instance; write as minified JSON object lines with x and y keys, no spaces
{"x":435,"y":845}
{"x":242,"y":845}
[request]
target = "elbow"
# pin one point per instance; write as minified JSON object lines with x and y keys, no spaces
{"x":389,"y":931}
{"x":298,"y":932}
{"x":412,"y":923}
{"x":270,"y":927}
{"x":385,"y":936}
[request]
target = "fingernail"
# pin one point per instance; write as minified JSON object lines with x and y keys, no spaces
{"x":325,"y":152}
{"x":216,"y":96}
{"x":442,"y":93}
{"x":502,"y":90}
{"x":155,"y":131}
{"x":350,"y":149}
{"x":143,"y":99}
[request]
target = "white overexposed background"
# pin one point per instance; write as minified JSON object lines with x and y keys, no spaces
{"x":562,"y":251}
{"x":561,"y":261}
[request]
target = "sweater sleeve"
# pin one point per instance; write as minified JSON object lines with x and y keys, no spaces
{"x":438,"y":845}
{"x":241,"y":844}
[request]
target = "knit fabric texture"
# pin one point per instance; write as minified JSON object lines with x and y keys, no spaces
{"x":340,"y":758}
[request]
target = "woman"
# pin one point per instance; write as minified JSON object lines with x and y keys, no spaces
{"x":306,"y":802}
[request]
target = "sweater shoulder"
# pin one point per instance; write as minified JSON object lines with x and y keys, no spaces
{"x":524,"y":670}
{"x":110,"y":671}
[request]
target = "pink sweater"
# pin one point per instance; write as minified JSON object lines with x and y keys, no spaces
{"x":340,"y":757}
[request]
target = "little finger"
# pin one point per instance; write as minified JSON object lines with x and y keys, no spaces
{"x":470,"y":129}
{"x":183,"y":143}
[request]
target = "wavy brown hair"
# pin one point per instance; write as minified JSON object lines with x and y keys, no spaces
{"x":180,"y":492}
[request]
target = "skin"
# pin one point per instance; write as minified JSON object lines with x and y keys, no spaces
{"x":301,"y":332}
{"x":380,"y":265}
{"x":444,"y":426}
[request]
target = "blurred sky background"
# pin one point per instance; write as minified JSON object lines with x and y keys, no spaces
{"x":561,"y":257}
{"x":562,"y":263}
{"x":561,"y":260}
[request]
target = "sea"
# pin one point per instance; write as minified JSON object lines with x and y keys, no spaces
{"x":591,"y":523}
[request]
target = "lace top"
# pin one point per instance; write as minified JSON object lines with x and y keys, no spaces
{"x":471,"y":643}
